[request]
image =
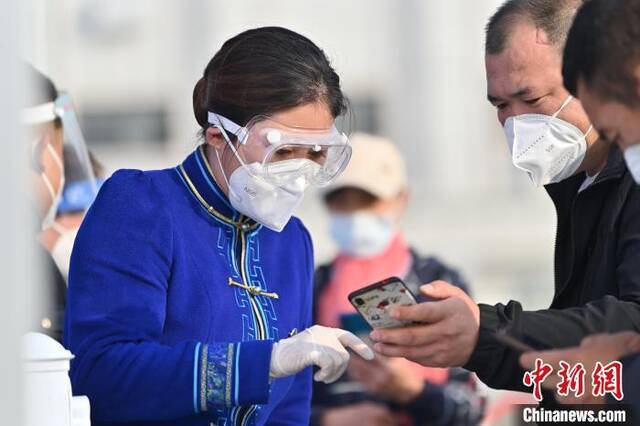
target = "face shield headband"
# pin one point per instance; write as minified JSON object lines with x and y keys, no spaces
{"x":78,"y":165}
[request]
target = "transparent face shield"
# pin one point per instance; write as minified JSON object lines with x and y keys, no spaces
{"x":285,"y":154}
{"x":81,"y":186}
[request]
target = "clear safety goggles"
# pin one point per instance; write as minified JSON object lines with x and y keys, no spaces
{"x":287,"y":153}
{"x":77,"y":163}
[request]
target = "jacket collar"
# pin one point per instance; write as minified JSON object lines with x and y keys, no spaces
{"x":197,"y":175}
{"x":614,"y":169}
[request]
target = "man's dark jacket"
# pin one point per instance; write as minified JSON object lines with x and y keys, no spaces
{"x":597,"y":276}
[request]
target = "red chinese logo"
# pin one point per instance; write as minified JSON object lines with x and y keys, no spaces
{"x":536,"y":377}
{"x":607,"y":379}
{"x":571,"y":379}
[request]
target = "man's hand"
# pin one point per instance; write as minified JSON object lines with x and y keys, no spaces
{"x":599,"y":347}
{"x":446,"y":333}
{"x":393,"y":379}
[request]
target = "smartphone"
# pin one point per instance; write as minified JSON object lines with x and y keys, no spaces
{"x":503,"y":337}
{"x":374,"y":302}
{"x":354,"y":323}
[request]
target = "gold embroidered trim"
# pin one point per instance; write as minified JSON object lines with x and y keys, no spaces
{"x":203,"y":378}
{"x":230,"y":362}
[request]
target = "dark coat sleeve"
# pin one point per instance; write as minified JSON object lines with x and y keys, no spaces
{"x":498,"y":366}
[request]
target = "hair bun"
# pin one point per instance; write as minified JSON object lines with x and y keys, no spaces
{"x":200,"y":104}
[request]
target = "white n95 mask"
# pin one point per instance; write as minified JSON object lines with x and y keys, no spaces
{"x":632,"y":158}
{"x":261,"y":200}
{"x":547,"y":148}
{"x":361,"y":234}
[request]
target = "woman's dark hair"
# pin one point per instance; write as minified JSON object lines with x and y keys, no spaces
{"x":264,"y":71}
{"x":41,"y":89}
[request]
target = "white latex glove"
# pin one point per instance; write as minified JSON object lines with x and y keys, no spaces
{"x":317,"y":345}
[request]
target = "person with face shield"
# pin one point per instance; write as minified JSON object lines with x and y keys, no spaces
{"x":50,"y":124}
{"x":366,"y":204}
{"x":44,"y":132}
{"x":597,"y":249}
{"x":77,"y":195}
{"x":190,"y":288}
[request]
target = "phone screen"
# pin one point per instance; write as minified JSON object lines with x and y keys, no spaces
{"x":373,"y":302}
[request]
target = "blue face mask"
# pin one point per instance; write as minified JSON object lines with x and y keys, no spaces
{"x":78,"y":196}
{"x":361,"y":234}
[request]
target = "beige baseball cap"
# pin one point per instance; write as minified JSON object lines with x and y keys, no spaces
{"x":376,"y":166}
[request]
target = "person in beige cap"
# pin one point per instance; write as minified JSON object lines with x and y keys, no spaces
{"x":366,"y":204}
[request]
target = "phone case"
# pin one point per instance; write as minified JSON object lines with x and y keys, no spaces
{"x":373,"y":302}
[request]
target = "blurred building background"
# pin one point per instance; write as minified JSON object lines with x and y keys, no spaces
{"x":413,"y":69}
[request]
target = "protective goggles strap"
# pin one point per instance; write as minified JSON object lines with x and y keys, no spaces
{"x":42,"y":113}
{"x":217,"y":121}
{"x":224,"y":123}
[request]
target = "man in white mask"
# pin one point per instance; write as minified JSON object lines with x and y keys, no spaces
{"x":366,"y":204}
{"x":601,"y":67}
{"x":550,"y":137}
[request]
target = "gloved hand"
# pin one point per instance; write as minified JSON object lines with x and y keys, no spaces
{"x":317,"y":345}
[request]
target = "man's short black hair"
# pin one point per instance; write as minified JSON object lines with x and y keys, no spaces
{"x":603,"y":49}
{"x":554,"y":17}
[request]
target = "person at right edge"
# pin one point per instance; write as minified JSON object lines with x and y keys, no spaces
{"x":601,"y":67}
{"x":597,"y":253}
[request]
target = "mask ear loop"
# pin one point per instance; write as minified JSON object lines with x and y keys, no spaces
{"x":227,"y":139}
{"x":240,"y":133}
{"x":588,"y":131}
{"x":46,"y":179}
{"x":215,"y":121}
{"x":47,"y":183}
{"x":564,"y":104}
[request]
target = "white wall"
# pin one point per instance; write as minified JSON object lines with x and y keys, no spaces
{"x":14,"y":250}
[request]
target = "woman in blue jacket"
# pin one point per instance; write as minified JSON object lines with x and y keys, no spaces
{"x":188,"y":286}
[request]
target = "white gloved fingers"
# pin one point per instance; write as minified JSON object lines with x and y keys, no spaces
{"x":350,"y":340}
{"x":317,"y":345}
{"x":339,"y":367}
{"x":324,"y":362}
{"x":333,"y":362}
{"x":339,"y":361}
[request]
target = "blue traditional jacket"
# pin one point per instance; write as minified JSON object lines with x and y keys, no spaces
{"x":175,"y":300}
